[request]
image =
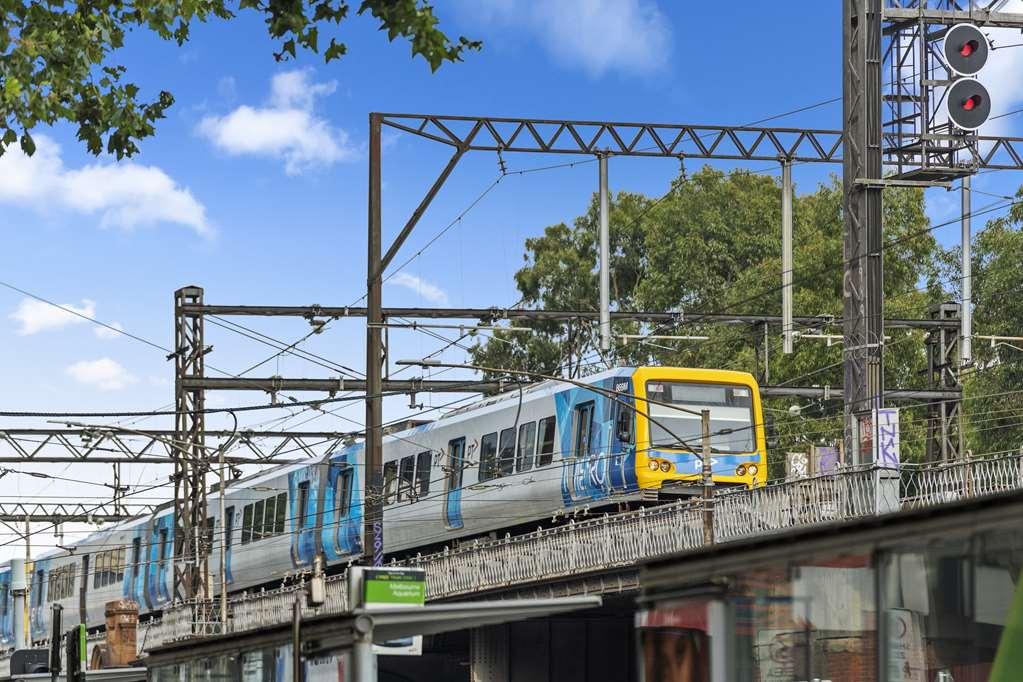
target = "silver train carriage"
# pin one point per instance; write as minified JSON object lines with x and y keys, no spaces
{"x":510,"y":460}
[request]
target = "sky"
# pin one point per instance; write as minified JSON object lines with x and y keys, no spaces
{"x":254,"y":186}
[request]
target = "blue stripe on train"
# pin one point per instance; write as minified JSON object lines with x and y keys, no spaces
{"x":342,"y":519}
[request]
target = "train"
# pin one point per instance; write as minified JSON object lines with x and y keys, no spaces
{"x":506,"y":461}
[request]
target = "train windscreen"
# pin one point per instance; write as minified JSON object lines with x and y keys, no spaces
{"x":673,"y":423}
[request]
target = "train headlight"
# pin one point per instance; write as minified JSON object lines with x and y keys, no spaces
{"x":740,"y":470}
{"x":665,"y":466}
{"x":752,"y":469}
{"x":653,"y":464}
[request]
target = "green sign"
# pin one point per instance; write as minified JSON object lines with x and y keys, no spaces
{"x":394,"y":588}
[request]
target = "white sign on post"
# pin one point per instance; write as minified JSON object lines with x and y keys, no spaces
{"x":886,"y":438}
{"x":382,"y":587}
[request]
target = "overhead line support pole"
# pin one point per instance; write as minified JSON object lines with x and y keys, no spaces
{"x":862,"y":276}
{"x":373,"y":534}
{"x":605,"y":258}
{"x":786,"y":255}
{"x":191,"y":569}
{"x":966,"y":311}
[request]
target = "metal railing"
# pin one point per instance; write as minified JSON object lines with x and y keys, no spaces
{"x":614,"y":541}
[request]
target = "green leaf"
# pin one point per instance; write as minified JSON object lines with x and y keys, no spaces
{"x":334,"y":51}
{"x":28,"y":144}
{"x":12,"y":87}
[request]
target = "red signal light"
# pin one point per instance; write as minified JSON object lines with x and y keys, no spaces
{"x":968,"y":48}
{"x":971,"y":103}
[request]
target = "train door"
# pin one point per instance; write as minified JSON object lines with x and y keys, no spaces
{"x":622,"y":471}
{"x":228,"y":523}
{"x":347,"y":514}
{"x":579,"y":460}
{"x":37,"y":614}
{"x":157,"y":578}
{"x":453,"y":488}
{"x":83,"y":590}
{"x":6,"y":633}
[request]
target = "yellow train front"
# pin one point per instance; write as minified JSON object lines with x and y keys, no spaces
{"x":668,"y":428}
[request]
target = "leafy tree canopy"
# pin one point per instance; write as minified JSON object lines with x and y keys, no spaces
{"x":712,"y":244}
{"x":55,"y":56}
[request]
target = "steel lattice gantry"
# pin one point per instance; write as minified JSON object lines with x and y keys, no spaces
{"x":155,"y":446}
{"x":57,"y":512}
{"x":742,"y":143}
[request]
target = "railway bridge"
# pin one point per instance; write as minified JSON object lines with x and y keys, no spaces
{"x":601,"y":555}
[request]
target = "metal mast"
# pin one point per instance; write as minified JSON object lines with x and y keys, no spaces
{"x":191,"y":569}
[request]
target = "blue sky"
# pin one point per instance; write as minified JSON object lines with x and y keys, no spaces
{"x":255,"y":185}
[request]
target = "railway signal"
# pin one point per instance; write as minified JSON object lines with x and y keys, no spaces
{"x":966,"y":52}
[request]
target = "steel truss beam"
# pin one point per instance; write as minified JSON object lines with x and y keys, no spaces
{"x":736,"y":143}
{"x":945,"y":17}
{"x":554,"y":136}
{"x":56,"y":512}
{"x":494,"y":313}
{"x":153,"y":446}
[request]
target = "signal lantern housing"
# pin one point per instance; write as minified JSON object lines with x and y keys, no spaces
{"x":969,"y":104}
{"x":966,"y":51}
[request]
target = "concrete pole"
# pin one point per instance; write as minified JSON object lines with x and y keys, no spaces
{"x":786,"y":255}
{"x":19,"y":591}
{"x":966,"y":313}
{"x":605,"y":258}
{"x":222,"y":503}
{"x":708,"y":481}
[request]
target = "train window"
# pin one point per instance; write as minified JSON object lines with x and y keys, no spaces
{"x":583,"y":429}
{"x":488,"y":456}
{"x":40,"y":580}
{"x":424,"y":460}
{"x":281,"y":517}
{"x":390,"y":481}
{"x":406,"y":476}
{"x":527,"y":444}
{"x":247,"y":524}
{"x":61,"y":583}
{"x":163,"y":547}
{"x":545,"y":449}
{"x":303,"y":502}
{"x":343,"y":492}
{"x":210,"y":528}
{"x":98,"y":572}
{"x":506,"y":453}
{"x":623,"y":425}
{"x":456,"y":463}
{"x":136,"y":557}
{"x":257,"y":520}
{"x":117,"y":565}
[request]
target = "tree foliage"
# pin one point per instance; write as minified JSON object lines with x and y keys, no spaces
{"x":712,"y":244}
{"x":56,"y":56}
{"x":993,"y":412}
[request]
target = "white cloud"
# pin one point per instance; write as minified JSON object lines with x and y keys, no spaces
{"x":1003,"y":76}
{"x":35,"y":316}
{"x":125,"y":195}
{"x":430,"y":292}
{"x":108,"y":333}
{"x":104,"y":374}
{"x":286,"y":128}
{"x":632,"y":36}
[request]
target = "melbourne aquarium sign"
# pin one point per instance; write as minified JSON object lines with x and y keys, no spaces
{"x":393,"y":587}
